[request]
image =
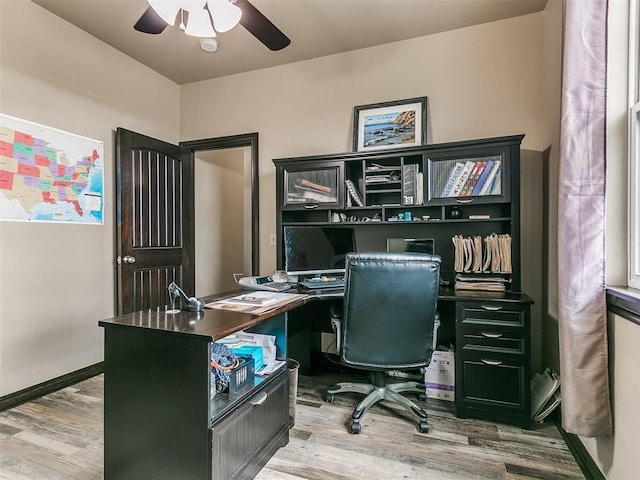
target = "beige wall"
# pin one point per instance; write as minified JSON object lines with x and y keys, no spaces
{"x":56,"y":281}
{"x":551,"y":110}
{"x":617,"y":456}
{"x":481,"y":81}
{"x":220,"y":219}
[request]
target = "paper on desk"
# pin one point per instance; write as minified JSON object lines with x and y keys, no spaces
{"x":280,"y":299}
{"x":257,"y":298}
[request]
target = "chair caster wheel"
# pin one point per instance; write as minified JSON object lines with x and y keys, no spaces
{"x":330,"y":397}
{"x":355,"y":427}
{"x":424,"y":427}
{"x":422,"y":397}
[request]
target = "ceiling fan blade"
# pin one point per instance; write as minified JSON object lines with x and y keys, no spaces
{"x":150,"y":22}
{"x":261,"y":27}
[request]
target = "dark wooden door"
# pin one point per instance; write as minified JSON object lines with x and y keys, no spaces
{"x":155,"y":230}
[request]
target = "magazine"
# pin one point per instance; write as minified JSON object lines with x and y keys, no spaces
{"x":545,"y":396}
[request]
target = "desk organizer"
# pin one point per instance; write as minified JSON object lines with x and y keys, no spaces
{"x":243,"y":374}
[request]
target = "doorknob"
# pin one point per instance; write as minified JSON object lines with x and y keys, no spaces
{"x":127,"y":259}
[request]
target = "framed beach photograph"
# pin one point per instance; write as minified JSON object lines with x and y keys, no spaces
{"x":379,"y":126}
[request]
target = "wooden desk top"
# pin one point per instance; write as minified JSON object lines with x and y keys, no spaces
{"x":210,"y":324}
{"x":214,"y":324}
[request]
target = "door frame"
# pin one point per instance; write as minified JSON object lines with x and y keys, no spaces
{"x":234,"y":141}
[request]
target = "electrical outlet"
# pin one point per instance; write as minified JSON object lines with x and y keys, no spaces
{"x":272,"y":239}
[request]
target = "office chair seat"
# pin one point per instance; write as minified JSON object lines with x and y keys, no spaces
{"x":387,"y":323}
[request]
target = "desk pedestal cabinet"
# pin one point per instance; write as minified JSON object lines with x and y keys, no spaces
{"x":160,"y":421}
{"x":493,"y":360}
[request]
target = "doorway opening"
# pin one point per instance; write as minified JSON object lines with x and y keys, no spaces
{"x":226,"y":210}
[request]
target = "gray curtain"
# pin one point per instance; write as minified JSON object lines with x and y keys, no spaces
{"x":586,"y":408}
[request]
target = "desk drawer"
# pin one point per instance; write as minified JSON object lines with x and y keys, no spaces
{"x":492,"y":383}
{"x":492,"y":341}
{"x":243,"y":441}
{"x":492,"y":314}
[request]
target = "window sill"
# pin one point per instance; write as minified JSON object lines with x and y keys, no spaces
{"x":624,"y":301}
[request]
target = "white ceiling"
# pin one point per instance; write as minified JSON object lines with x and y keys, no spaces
{"x":316,"y":28}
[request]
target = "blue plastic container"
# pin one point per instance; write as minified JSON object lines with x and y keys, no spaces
{"x":253,"y":351}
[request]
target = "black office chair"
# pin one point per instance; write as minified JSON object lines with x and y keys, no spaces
{"x":388,"y":318}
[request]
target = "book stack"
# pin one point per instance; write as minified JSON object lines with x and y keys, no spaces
{"x":474,"y":177}
{"x":545,"y":394}
{"x":481,"y":282}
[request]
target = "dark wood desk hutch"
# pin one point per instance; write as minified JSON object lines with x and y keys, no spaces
{"x":414,"y":193}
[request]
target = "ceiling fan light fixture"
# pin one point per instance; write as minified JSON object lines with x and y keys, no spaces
{"x":225,"y":14}
{"x":208,"y":16}
{"x":191,"y":5}
{"x":199,"y":24}
{"x":166,"y":9}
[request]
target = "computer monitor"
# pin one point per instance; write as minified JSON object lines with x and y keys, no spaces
{"x":315,"y":250}
{"x":421,"y":245}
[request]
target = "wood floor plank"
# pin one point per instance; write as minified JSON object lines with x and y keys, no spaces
{"x":60,"y":437}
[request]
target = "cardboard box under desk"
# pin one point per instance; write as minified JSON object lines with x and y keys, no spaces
{"x":440,"y":377}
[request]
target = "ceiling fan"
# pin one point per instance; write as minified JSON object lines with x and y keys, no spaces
{"x":202,"y":18}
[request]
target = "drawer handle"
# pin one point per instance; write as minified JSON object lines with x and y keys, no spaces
{"x":492,"y":308}
{"x":464,"y":201}
{"x":491,"y":335}
{"x":491,"y":362}
{"x":310,"y":206}
{"x":260,"y":400}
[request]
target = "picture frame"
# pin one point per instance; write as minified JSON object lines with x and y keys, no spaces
{"x":378,"y":127}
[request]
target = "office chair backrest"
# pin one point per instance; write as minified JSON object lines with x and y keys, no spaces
{"x":389,"y":309}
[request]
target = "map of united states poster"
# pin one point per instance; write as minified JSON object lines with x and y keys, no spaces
{"x":49,"y":175}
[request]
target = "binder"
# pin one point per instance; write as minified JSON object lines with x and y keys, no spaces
{"x":410,"y":184}
{"x":353,"y":193}
{"x":473,"y":178}
{"x":489,"y":184}
{"x":471,"y":185}
{"x":457,"y":169}
{"x":462,"y":178}
{"x":483,"y":177}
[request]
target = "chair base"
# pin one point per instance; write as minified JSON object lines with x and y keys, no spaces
{"x":378,"y":391}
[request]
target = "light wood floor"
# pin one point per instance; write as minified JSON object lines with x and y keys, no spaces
{"x":59,"y":436}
